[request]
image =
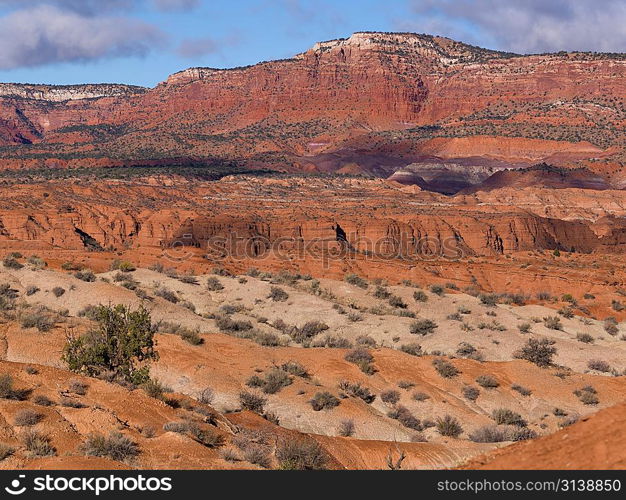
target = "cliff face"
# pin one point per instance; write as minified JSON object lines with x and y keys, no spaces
{"x":60,"y":93}
{"x":363,"y":103}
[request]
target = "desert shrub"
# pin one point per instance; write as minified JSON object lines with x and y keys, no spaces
{"x":355,"y":280}
{"x":521,"y":434}
{"x":37,"y":262}
{"x":488,"y":299}
{"x":191,"y":337}
{"x":213,"y":284}
{"x":390,"y":396}
{"x":504,"y":416}
{"x":70,"y":402}
{"x":252,"y":402}
{"x":227,"y":324}
{"x":123,"y":265}
{"x":537,"y":351}
{"x":277,"y":294}
{"x":359,"y":355}
{"x":405,"y":417}
{"x":599,"y":365}
{"x":220,"y":271}
{"x":38,"y":317}
{"x":362,"y":358}
{"x":568,"y":297}
{"x":6,"y":451}
{"x":324,"y":401}
{"x":346,"y":428}
{"x":356,"y":390}
{"x":7,"y":391}
{"x":333,"y":342}
{"x":27,"y":417}
{"x":37,"y":444}
{"x":206,"y":396}
{"x":422,"y":327}
{"x":445,"y":368}
{"x":78,"y":387}
{"x":307,"y":331}
{"x":232,"y":308}
{"x":412,"y":348}
{"x":553,"y":323}
{"x":122,"y":277}
{"x":355,"y":317}
{"x":11,"y":262}
{"x":294,"y":368}
{"x":420,"y":296}
{"x":405,"y":384}
{"x":524,"y":327}
{"x":381,"y":293}
{"x":258,"y":455}
{"x":31,"y":290}
{"x":116,"y":446}
{"x":470,"y":393}
{"x":420,"y":396}
{"x":437,"y":290}
{"x":230,"y":455}
{"x":566,"y":312}
{"x":167,"y":294}
{"x":522,"y":390}
{"x":154,"y":388}
{"x":122,"y":343}
{"x":85,"y":275}
{"x":610,"y":326}
{"x":395,"y":301}
{"x":58,"y":291}
{"x":467,"y":350}
{"x":449,"y":426}
{"x":42,"y":400}
{"x":585,"y":338}
{"x":587,"y":395}
{"x":487,"y":381}
{"x":274,"y":381}
{"x":179,"y":427}
{"x":490,"y":434}
{"x":617,"y":305}
{"x":301,"y":454}
{"x":365,"y":341}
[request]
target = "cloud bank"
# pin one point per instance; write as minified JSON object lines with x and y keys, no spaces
{"x":46,"y":34}
{"x":526,"y":26}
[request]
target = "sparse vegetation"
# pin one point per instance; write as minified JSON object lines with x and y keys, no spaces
{"x":116,"y":446}
{"x":487,"y":381}
{"x":537,"y":351}
{"x":277,"y":294}
{"x":504,"y":416}
{"x":449,"y":426}
{"x":37,"y":443}
{"x":324,"y":401}
{"x":300,"y":454}
{"x":445,"y":368}
{"x":122,"y":343}
{"x":356,"y":280}
{"x":422,"y":327}
{"x":252,"y":402}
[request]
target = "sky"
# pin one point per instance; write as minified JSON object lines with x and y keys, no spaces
{"x":141,"y":42}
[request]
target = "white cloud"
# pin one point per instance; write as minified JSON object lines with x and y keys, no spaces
{"x":528,"y":25}
{"x":46,"y":34}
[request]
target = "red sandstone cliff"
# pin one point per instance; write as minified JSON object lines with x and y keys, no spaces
{"x":394,"y":97}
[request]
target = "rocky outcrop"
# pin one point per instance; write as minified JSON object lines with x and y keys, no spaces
{"x":61,"y":93}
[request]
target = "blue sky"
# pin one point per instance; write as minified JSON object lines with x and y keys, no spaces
{"x":142,"y":41}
